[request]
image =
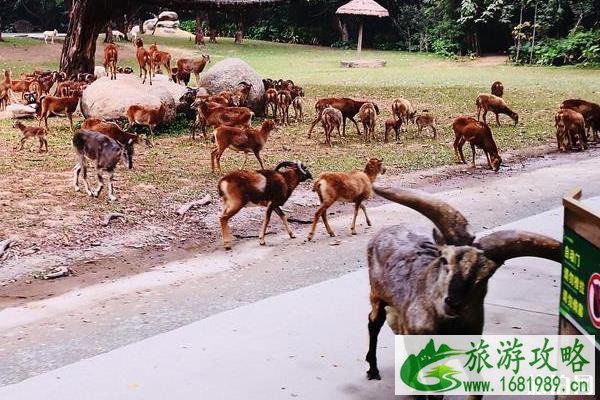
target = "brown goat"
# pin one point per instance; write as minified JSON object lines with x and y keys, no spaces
{"x":271,"y":102}
{"x":111,"y":57}
{"x":590,"y":112}
{"x":424,"y":285}
{"x":32,"y":132}
{"x":426,"y":120}
{"x":150,"y":117}
{"x":298,"y":106}
{"x":392,"y":124}
{"x":478,"y":134}
{"x":227,"y":116}
{"x":270,"y":188}
{"x":368,"y":116}
{"x":348,"y":107}
{"x":353,"y":187}
{"x":497,"y":89}
{"x":403,"y":110}
{"x":488,"y":102}
{"x":194,"y":66}
{"x":241,"y":93}
{"x":58,"y":105}
{"x":245,"y":140}
{"x":331,"y":118}
{"x":284,"y":100}
{"x":570,"y":130}
{"x":143,"y":59}
{"x":159,"y":59}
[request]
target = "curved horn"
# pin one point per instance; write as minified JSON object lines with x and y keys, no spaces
{"x":503,"y":245}
{"x":451,"y":223}
{"x":285,"y":164}
{"x":300,"y":167}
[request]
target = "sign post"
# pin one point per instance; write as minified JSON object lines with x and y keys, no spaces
{"x":579,"y":311}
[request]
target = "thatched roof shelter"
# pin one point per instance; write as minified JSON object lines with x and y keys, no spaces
{"x":367,"y":8}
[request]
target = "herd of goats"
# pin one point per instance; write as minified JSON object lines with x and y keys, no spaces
{"x":422,"y":285}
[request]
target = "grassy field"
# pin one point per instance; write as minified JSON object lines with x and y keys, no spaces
{"x":178,"y":168}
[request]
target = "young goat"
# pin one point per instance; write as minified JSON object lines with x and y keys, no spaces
{"x":570,"y":130}
{"x":59,"y":105}
{"x":242,"y":92}
{"x":488,"y":102}
{"x":149,"y":117}
{"x":590,"y":112}
{"x":392,"y":124}
{"x":143,"y":59}
{"x":348,"y":107}
{"x":105,"y":151}
{"x":368,"y":116}
{"x":298,"y":106}
{"x":32,"y":132}
{"x":436,"y":286}
{"x":331,"y":118}
{"x":195,"y":66}
{"x":426,"y":120}
{"x":353,"y":187}
{"x":402,"y":109}
{"x":497,"y":89}
{"x":159,"y":59}
{"x":114,"y":131}
{"x":111,"y":57}
{"x":50,"y":35}
{"x":245,"y":140}
{"x":478,"y":134}
{"x":284,"y":100}
{"x":270,"y":188}
{"x":227,"y":116}
{"x":271,"y":102}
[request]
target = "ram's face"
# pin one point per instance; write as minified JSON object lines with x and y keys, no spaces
{"x":461,"y":272}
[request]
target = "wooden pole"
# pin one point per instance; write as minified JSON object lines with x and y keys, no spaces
{"x":360,"y":32}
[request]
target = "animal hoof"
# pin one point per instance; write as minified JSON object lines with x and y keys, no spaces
{"x":353,"y":232}
{"x":373,"y":375}
{"x":112,"y":198}
{"x":331,"y":234}
{"x":77,"y":189}
{"x":292,"y":236}
{"x":262,"y":242}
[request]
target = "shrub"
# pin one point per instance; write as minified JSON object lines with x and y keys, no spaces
{"x":578,"y":48}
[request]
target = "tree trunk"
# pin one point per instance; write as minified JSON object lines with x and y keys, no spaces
{"x":79,"y":48}
{"x":519,"y":37}
{"x":1,"y":39}
{"x":108,"y":37}
{"x":533,"y":34}
{"x":199,"y":39}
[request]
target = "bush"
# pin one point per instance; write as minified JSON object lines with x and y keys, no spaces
{"x":445,"y":47}
{"x":578,"y":48}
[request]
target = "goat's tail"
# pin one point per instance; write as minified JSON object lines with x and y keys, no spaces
{"x":317,"y":187}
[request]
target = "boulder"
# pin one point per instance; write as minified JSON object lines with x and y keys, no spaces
{"x":110,"y":99}
{"x":20,"y":111}
{"x":99,"y":71}
{"x":168,"y":24}
{"x":148,"y":24}
{"x":168,"y":16}
{"x":227,"y":74}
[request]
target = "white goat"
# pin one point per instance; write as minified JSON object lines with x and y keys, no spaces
{"x":50,"y":34}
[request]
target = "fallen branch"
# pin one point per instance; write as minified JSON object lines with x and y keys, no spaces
{"x":5,"y":244}
{"x":187,"y":206}
{"x":110,"y":217}
{"x":299,"y":221}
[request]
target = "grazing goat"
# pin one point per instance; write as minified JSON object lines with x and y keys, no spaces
{"x":114,"y":131}
{"x":150,"y":117}
{"x":111,"y":57}
{"x":180,"y":76}
{"x":331,"y":118}
{"x":118,"y":35}
{"x":368,"y":116}
{"x":105,"y":151}
{"x":425,"y":286}
{"x":159,"y":59}
{"x":32,"y":132}
{"x":271,"y":102}
{"x":50,"y":34}
{"x":284,"y":100}
{"x":348,"y":107}
{"x":403,"y":110}
{"x":392,"y":124}
{"x":497,"y":89}
{"x":352,"y":187}
{"x":478,"y":134}
{"x":59,"y":105}
{"x":227,"y":116}
{"x":570,"y":130}
{"x":590,"y":112}
{"x":270,"y":188}
{"x":426,"y":120}
{"x":143,"y":59}
{"x":298,"y":106}
{"x":193,"y":65}
{"x":20,"y":85}
{"x":488,"y":102}
{"x":245,"y":140}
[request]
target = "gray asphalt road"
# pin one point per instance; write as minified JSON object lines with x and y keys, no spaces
{"x":49,"y":334}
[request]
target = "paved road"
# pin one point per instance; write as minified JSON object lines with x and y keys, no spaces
{"x":56,"y":332}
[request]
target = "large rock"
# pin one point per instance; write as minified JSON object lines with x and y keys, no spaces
{"x":168,"y":16}
{"x":227,"y":74}
{"x":20,"y":111}
{"x":110,"y":99}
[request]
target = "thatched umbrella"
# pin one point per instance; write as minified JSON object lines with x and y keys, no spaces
{"x":367,"y":8}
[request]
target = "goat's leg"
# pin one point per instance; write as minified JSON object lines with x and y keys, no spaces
{"x":312,"y":125}
{"x":364,"y":210}
{"x":76,"y":172}
{"x":215,"y":157}
{"x":285,"y":222}
{"x":86,"y":184}
{"x":322,"y":210}
{"x":197,"y":76}
{"x":96,"y":192}
{"x":263,"y":231}
{"x":356,"y":125}
{"x":457,"y":140}
{"x":353,"y":226}
{"x":229,"y":211}
{"x":434,"y":131}
{"x":376,"y":321}
{"x":460,"y":150}
{"x":487,"y":156}
{"x":22,"y":143}
{"x":257,"y":155}
{"x":70,"y":117}
{"x":245,"y":161}
{"x":497,"y":119}
{"x":485,"y":116}
{"x":473,"y":151}
{"x":478,"y":113}
{"x":111,"y":193}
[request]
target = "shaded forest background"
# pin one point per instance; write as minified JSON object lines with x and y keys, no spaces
{"x":550,"y":32}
